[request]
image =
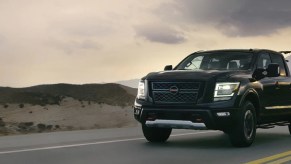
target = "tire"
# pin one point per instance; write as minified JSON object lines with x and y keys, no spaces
{"x":244,"y":131}
{"x":156,"y":134}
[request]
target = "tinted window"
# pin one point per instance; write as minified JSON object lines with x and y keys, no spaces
{"x":279,"y":60}
{"x":264,"y":60}
{"x":217,"y":61}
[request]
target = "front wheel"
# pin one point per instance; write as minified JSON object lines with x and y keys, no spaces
{"x":244,"y":131}
{"x":156,"y":134}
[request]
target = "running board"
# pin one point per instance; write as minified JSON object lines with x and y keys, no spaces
{"x":272,"y":125}
{"x":176,"y":124}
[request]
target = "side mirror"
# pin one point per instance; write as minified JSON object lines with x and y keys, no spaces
{"x":259,"y":74}
{"x":168,"y":67}
{"x":273,"y":70}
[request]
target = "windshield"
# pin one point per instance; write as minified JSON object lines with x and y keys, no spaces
{"x":217,"y":61}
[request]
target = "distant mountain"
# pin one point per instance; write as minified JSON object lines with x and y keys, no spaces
{"x":112,"y":94}
{"x":130,"y":83}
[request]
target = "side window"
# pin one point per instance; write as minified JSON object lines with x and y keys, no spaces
{"x":263,"y":61}
{"x":214,"y":63}
{"x":279,"y":60}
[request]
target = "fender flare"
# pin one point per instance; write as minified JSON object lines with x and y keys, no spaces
{"x":246,"y":93}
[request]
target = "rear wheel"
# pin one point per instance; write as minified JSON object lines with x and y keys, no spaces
{"x":156,"y":134}
{"x":244,"y":131}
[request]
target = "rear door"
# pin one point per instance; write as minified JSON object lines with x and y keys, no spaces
{"x":282,"y":83}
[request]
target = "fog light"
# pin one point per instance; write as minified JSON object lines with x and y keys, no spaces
{"x":223,"y":114}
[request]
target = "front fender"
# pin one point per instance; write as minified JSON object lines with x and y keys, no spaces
{"x":248,"y":92}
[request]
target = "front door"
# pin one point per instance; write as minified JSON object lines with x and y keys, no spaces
{"x":270,"y":89}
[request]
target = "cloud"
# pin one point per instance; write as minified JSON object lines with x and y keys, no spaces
{"x":2,"y":40}
{"x":232,"y":17}
{"x":161,"y":34}
{"x":73,"y":47}
{"x":88,"y":27}
{"x":59,"y":40}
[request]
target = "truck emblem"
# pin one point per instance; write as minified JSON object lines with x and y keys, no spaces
{"x":174,"y":89}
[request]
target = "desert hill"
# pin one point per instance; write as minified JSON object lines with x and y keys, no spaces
{"x":133,"y":83}
{"x":111,"y":94}
{"x":57,"y":107}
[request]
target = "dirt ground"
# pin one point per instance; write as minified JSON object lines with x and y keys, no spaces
{"x":71,"y":114}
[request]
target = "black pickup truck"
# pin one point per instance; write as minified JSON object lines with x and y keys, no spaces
{"x":235,"y":91}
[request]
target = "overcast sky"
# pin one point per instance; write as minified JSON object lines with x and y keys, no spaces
{"x":94,"y":41}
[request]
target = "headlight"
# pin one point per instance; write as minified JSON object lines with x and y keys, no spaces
{"x":225,"y":90}
{"x":141,"y":90}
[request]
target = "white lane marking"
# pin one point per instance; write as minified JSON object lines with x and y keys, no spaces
{"x":92,"y":143}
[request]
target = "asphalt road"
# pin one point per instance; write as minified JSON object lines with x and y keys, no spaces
{"x":126,"y":146}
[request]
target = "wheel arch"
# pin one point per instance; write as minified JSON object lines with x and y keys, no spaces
{"x":252,"y":96}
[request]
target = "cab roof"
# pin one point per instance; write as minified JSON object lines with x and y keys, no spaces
{"x":242,"y":50}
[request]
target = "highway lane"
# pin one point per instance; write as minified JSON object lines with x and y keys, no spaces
{"x":126,"y":145}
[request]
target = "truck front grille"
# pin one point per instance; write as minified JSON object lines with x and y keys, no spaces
{"x":175,"y":92}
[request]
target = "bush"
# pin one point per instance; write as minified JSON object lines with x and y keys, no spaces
{"x":49,"y":127}
{"x":25,"y":125}
{"x":28,"y":123}
{"x":57,"y":126}
{"x":5,"y":106}
{"x":2,"y":123}
{"x":41,"y":127}
{"x":21,"y":105}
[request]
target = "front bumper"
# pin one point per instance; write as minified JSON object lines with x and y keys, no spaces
{"x":186,"y":118}
{"x":176,"y":124}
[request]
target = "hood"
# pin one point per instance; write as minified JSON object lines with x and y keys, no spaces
{"x":201,"y":75}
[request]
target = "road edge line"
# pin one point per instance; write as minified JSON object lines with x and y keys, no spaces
{"x":91,"y":143}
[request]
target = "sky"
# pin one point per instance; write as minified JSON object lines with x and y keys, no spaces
{"x":97,"y":41}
